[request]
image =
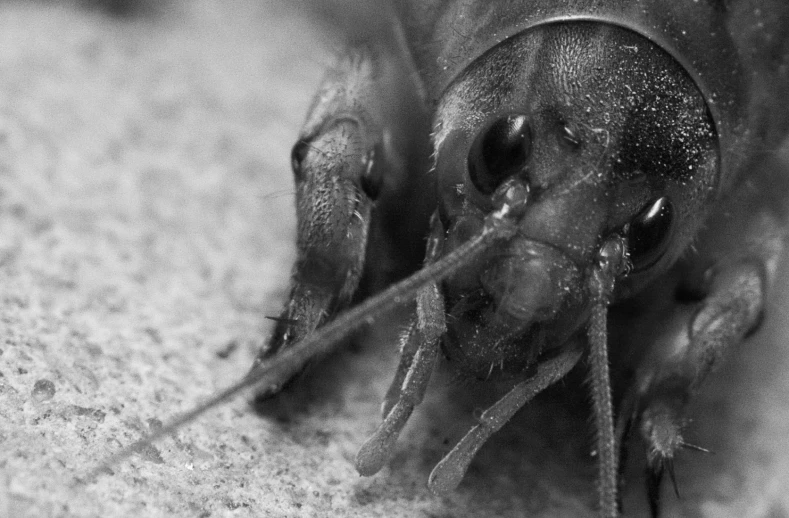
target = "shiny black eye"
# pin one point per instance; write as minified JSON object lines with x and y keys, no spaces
{"x":297,"y":156}
{"x":371,"y":178}
{"x":499,"y":152}
{"x":649,"y":234}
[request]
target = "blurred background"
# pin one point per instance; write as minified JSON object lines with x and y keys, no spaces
{"x":146,"y":228}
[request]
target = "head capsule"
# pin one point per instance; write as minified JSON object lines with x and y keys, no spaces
{"x":611,"y":134}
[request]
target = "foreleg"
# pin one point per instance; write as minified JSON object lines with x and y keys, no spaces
{"x":356,"y":152}
{"x":693,"y":341}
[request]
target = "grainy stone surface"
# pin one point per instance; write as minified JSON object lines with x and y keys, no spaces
{"x":146,"y":224}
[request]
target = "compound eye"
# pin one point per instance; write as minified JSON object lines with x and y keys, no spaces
{"x":499,"y":152}
{"x":297,"y":156}
{"x":649,"y":234}
{"x":371,"y":179}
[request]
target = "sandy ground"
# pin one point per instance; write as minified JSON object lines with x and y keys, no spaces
{"x":146,"y":227}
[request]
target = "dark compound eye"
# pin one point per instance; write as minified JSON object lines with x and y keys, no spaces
{"x":499,"y":152}
{"x":297,"y":156}
{"x":649,"y":234}
{"x":371,"y":179}
{"x":570,"y":137}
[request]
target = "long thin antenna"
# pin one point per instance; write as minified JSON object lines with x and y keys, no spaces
{"x":612,"y":260}
{"x":607,"y":457}
{"x":500,"y":224}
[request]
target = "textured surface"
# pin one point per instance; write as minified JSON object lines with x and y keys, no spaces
{"x":146,"y":224}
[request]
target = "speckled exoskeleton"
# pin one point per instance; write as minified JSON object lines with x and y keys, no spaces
{"x":586,"y":179}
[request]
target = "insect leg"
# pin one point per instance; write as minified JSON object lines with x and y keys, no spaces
{"x":408,"y":348}
{"x":379,"y":447}
{"x":450,"y":471}
{"x":430,"y":317}
{"x":419,"y":353}
{"x":354,"y":155}
{"x":332,"y":160}
{"x":698,"y":337}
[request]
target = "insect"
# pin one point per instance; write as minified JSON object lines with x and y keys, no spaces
{"x":587,"y":180}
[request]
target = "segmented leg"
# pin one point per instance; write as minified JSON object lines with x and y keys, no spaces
{"x":450,"y":471}
{"x":701,"y":337}
{"x":693,"y":341}
{"x":378,"y":449}
{"x":408,"y":348}
{"x":354,"y":160}
{"x":420,"y":349}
